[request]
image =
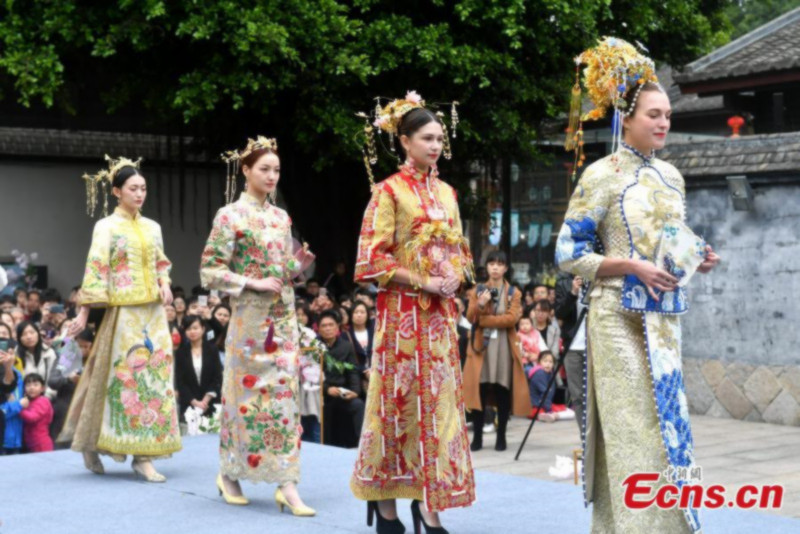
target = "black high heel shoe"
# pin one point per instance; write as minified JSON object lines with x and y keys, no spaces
{"x":419,"y":521}
{"x":384,"y":526}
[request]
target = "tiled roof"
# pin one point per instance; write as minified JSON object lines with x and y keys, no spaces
{"x":774,"y":46}
{"x":752,"y":154}
{"x":88,"y":144}
{"x":687,"y":103}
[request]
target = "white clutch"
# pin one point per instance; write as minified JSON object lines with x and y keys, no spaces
{"x":680,"y":251}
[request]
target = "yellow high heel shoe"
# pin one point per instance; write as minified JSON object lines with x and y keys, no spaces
{"x":299,"y":511}
{"x":241,"y":500}
{"x":154,"y":476}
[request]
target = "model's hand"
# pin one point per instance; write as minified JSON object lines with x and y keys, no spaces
{"x":334,"y":392}
{"x":450,"y":285}
{"x":304,"y":257}
{"x":712,"y":260}
{"x":166,"y":294}
{"x":271,"y":284}
{"x":350,"y":395}
{"x":79,"y":323}
{"x":434,"y":286}
{"x":654,"y":278}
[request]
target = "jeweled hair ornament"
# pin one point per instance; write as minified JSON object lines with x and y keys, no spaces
{"x":387,"y":118}
{"x":614,"y":68}
{"x":233,"y":159}
{"x":99,"y":184}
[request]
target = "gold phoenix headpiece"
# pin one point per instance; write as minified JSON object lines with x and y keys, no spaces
{"x":387,"y":118}
{"x":233,"y":158}
{"x":102,"y":180}
{"x":614,"y":68}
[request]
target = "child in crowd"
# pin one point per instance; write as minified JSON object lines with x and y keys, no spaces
{"x":530,"y":342}
{"x":538,"y":377}
{"x":36,"y":414}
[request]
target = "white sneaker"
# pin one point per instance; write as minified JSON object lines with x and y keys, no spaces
{"x":488,"y":428}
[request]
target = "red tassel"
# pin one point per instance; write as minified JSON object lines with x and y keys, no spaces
{"x":269,"y":343}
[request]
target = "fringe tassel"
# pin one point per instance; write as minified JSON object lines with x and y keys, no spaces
{"x":574,"y":117}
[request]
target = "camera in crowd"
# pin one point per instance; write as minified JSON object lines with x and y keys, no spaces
{"x":493,"y":291}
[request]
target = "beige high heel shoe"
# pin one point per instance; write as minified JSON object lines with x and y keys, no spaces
{"x":240,"y":500}
{"x":92,"y":462}
{"x":155,"y":476}
{"x":299,"y":511}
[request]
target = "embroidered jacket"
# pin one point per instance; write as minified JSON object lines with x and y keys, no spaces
{"x":126,"y":262}
{"x":619,"y":210}
{"x":248,"y":240}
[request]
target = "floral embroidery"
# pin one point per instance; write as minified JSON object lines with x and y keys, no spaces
{"x":125,"y":262}
{"x":135,"y":395}
{"x":259,"y":436}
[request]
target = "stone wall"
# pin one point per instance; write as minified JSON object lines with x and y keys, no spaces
{"x":740,"y":337}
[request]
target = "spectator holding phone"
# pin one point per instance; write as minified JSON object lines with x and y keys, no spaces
{"x":11,"y":392}
{"x":35,"y":357}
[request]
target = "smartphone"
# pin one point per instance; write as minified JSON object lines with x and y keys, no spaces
{"x":57,"y":308}
{"x":202,"y":300}
{"x":215,"y":293}
{"x":3,"y":345}
{"x":323,"y":291}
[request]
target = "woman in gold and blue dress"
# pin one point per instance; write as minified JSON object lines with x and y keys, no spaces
{"x":636,"y":417}
{"x":125,"y":402}
{"x":249,"y":255}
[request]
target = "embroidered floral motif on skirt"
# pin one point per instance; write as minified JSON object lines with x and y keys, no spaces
{"x":414,"y":443}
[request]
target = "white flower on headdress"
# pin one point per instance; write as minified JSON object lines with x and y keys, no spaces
{"x":413,"y":96}
{"x":379,"y":122}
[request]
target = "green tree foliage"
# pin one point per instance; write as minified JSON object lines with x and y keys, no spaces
{"x":302,"y":67}
{"x":747,"y":15}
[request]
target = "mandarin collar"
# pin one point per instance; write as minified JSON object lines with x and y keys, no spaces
{"x":635,"y":153}
{"x":250,"y":200}
{"x":417,"y":175}
{"x":125,"y":215}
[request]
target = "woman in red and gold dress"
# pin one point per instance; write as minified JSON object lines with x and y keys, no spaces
{"x":414,"y":443}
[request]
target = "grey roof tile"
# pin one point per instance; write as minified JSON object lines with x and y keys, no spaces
{"x":725,"y":156}
{"x":772,"y":47}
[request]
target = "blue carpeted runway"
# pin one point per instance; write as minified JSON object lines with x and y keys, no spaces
{"x":53,"y":492}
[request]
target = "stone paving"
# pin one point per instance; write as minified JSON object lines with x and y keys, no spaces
{"x":731,"y":452}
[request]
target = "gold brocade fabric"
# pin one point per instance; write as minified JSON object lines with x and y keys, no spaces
{"x":636,"y":410}
{"x":414,"y":442}
{"x":628,"y":439}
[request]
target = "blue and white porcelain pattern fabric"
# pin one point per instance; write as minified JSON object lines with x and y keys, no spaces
{"x":622,"y":204}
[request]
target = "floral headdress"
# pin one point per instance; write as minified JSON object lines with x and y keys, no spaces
{"x":387,"y":118}
{"x":614,"y":68}
{"x":233,"y":158}
{"x":102,"y":180}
